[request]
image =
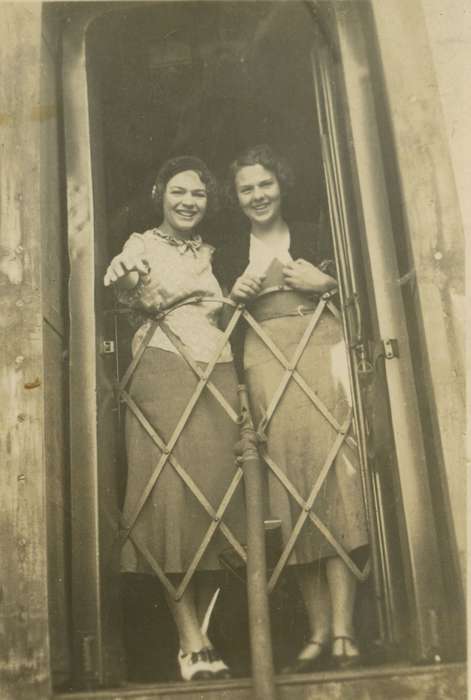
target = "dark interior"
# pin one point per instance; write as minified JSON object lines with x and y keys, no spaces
{"x":207,"y":79}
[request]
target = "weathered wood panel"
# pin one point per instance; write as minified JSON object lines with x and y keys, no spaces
{"x":24,"y":644}
{"x":57,"y":484}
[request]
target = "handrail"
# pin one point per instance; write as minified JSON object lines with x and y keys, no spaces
{"x":257,"y":591}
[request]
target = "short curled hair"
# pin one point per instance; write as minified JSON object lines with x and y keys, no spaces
{"x":180,"y":164}
{"x":267,"y":157}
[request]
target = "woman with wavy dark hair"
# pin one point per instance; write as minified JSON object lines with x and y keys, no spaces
{"x":280,"y":272}
{"x":155,"y":271}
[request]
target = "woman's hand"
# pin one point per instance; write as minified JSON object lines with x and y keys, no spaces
{"x":306,"y":277}
{"x":247,"y":287}
{"x":125,"y":269}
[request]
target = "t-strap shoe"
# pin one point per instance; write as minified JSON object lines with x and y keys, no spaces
{"x":308,"y":664}
{"x":345,"y":660}
{"x":195,"y":666}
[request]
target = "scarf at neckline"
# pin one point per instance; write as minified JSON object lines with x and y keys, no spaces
{"x":193,"y":243}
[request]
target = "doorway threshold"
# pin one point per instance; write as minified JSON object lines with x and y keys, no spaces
{"x":440,"y":681}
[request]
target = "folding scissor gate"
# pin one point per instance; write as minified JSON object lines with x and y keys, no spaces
{"x":343,"y":436}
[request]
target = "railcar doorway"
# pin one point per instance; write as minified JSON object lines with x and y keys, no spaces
{"x":210,"y":79}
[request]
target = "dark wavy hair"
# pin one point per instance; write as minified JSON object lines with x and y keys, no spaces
{"x":180,"y":164}
{"x":265,"y":155}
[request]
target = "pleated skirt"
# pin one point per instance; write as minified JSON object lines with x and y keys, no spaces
{"x":172,"y":523}
{"x":300,"y":439}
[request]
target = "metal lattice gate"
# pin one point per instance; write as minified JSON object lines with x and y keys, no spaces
{"x":307,"y":505}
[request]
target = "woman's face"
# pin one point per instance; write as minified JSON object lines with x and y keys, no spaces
{"x":259,"y":194}
{"x":185,"y":201}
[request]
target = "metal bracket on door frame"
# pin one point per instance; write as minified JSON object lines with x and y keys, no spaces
{"x":391,"y":348}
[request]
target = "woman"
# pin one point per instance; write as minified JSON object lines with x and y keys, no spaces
{"x":156,"y":270}
{"x":298,"y":437}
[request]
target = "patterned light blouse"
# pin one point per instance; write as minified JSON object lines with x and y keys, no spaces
{"x":177,"y":270}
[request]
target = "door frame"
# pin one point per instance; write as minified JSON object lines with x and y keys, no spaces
{"x":98,"y":652}
{"x":418,"y":539}
{"x":98,"y":655}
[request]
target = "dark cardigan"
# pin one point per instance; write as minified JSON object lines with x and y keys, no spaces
{"x":231,"y":260}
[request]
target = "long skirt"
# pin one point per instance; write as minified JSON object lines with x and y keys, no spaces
{"x":299,"y":438}
{"x":172,"y":522}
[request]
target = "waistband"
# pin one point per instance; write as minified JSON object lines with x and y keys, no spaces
{"x":282,"y":302}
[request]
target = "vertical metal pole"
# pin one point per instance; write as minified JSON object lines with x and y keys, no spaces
{"x":257,"y":590}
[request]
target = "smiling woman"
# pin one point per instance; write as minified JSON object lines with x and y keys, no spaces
{"x":259,"y":194}
{"x":276,"y":282}
{"x":164,"y":523}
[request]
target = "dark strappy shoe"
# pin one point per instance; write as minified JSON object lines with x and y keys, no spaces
{"x":310,"y":665}
{"x":344,"y":660}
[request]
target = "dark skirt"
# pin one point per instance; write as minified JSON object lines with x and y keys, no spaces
{"x":173,"y":523}
{"x":299,"y":438}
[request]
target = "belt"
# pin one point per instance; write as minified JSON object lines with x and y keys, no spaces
{"x":281,"y":303}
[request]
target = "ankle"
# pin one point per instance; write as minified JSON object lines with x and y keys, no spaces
{"x":320,"y":635}
{"x":191,"y":643}
{"x":206,"y":641}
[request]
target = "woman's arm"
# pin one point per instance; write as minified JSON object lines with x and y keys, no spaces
{"x":125,"y":269}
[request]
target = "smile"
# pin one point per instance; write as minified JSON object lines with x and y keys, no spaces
{"x":186,"y":214}
{"x":261,"y":207}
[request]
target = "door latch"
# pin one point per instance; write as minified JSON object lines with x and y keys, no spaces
{"x":364,"y":366}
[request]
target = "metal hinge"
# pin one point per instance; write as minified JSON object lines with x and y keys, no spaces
{"x":391,"y":348}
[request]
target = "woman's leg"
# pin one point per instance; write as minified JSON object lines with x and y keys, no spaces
{"x":206,"y":585}
{"x":315,"y":592}
{"x":185,"y":615}
{"x":342,"y":586}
